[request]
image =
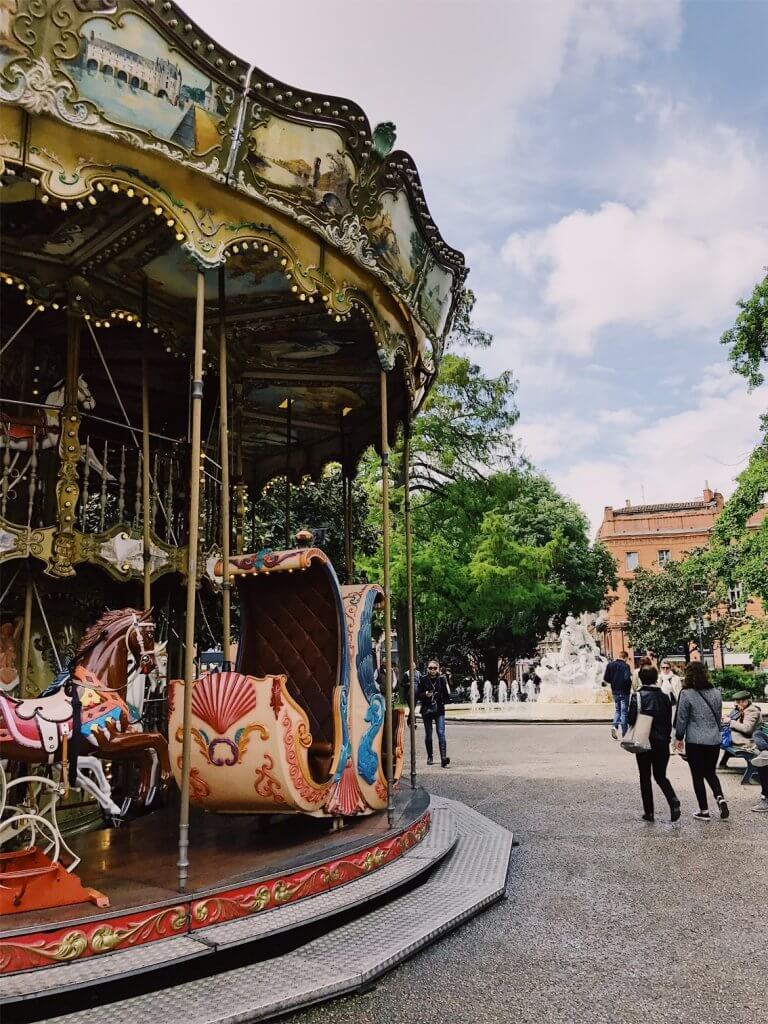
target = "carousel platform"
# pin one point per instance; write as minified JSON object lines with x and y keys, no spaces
{"x":327,"y":940}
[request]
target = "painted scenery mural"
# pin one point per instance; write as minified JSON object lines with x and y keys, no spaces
{"x":311,"y":163}
{"x":435,"y":297}
{"x":10,"y":47}
{"x":134,"y":78}
{"x":397,"y":241}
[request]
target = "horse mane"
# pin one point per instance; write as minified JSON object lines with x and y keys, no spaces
{"x":107,"y":621}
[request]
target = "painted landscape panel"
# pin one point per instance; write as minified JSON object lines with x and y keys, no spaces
{"x":397,"y":241}
{"x":435,"y":297}
{"x":134,"y":78}
{"x":311,"y":163}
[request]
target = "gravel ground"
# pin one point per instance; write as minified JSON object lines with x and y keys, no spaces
{"x":608,"y":919}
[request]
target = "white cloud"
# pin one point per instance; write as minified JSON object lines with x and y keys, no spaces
{"x":672,"y":457}
{"x":675,"y":262}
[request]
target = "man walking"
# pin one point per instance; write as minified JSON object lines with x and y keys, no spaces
{"x":619,"y":677}
{"x":434,"y":694}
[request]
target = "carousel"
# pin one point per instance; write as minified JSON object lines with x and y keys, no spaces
{"x":212,"y":282}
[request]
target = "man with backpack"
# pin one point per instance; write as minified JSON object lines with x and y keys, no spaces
{"x":618,"y":676}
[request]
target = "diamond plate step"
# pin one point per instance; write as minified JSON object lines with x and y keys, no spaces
{"x":351,"y":956}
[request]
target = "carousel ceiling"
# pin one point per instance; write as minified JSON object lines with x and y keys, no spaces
{"x":136,"y":152}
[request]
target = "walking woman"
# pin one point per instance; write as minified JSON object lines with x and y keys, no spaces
{"x":651,"y":700}
{"x":698,"y":723}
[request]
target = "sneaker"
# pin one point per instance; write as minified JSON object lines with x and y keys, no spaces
{"x":445,"y":762}
{"x":724,"y":812}
{"x":761,"y":807}
{"x":674,"y":811}
{"x":614,"y":733}
{"x":701,"y":815}
{"x":648,"y":817}
{"x":761,"y":761}
{"x":430,"y":760}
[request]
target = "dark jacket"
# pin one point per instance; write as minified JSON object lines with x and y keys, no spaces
{"x":619,"y":676}
{"x":654,"y":702}
{"x":440,"y":694}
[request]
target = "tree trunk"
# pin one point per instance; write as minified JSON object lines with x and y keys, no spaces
{"x":491,"y":665}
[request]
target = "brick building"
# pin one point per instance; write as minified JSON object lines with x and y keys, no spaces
{"x":647,"y":536}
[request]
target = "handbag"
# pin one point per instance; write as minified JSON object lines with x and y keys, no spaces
{"x":638,"y":738}
{"x":726,"y":737}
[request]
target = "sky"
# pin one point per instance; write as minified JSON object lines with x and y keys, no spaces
{"x":602,"y":165}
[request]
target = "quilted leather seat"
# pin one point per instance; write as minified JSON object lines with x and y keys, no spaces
{"x":290,"y":626}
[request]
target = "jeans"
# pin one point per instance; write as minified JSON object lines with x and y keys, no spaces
{"x":655,"y":760}
{"x":702,"y":760}
{"x":621,"y":700}
{"x":762,"y":774}
{"x":439,"y":721}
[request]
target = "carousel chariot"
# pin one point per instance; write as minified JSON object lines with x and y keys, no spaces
{"x":299,"y":725}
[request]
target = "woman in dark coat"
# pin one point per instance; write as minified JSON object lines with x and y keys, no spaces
{"x":651,"y":700}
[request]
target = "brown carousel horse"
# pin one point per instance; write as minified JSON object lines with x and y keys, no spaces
{"x":90,"y":703}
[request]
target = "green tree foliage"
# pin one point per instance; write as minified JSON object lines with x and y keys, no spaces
{"x":489,"y":575}
{"x":748,"y":338}
{"x":664,"y":608}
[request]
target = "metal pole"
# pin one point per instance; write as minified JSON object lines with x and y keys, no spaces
{"x":26,"y":635}
{"x":409,"y":583}
{"x":224,"y":440}
{"x":146,"y":513}
{"x":288,"y":478}
{"x":346,"y":508}
{"x":387,"y":601}
{"x":189,"y":631}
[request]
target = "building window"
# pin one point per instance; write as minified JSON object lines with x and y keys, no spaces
{"x":665,"y":555}
{"x":633,"y":560}
{"x":735,"y":599}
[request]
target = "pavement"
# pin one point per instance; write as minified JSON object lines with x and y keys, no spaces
{"x":609,"y":919}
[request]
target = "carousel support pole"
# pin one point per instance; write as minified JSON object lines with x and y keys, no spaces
{"x":64,"y":545}
{"x":345,"y":486}
{"x":189,"y":626}
{"x":224,"y":446}
{"x":288,"y":476}
{"x":387,"y":601}
{"x":239,"y":486}
{"x":409,"y":584}
{"x":26,"y":635}
{"x":146,"y":497}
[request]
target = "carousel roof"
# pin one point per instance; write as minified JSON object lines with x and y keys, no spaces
{"x":135,"y":151}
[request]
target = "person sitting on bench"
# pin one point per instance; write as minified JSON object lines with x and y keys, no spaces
{"x":745,"y":718}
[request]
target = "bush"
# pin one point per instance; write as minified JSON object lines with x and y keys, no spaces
{"x":731,"y":680}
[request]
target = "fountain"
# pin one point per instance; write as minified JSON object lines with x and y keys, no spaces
{"x":574,"y":674}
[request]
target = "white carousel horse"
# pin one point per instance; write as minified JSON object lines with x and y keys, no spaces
{"x":42,"y":430}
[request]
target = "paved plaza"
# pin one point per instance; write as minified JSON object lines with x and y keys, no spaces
{"x":608,"y":919}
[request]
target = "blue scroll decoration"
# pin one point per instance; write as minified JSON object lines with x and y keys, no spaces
{"x":367,"y":758}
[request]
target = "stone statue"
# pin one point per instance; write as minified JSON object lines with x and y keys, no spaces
{"x":573,"y":675}
{"x":474,"y":693}
{"x":502,"y":692}
{"x":488,"y":692}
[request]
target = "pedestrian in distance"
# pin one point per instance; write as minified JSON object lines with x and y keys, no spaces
{"x":699,"y":714}
{"x":650,"y":700}
{"x":536,"y":681}
{"x":434,"y":694}
{"x":618,"y":676}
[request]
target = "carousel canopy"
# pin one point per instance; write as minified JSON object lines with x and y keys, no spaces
{"x":135,"y":152}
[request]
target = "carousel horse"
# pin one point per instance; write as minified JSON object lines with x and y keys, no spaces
{"x":41,"y":429}
{"x":299,"y":725}
{"x":39,"y":730}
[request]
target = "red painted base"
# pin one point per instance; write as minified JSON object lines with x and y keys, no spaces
{"x":95,"y":935}
{"x":30,"y":880}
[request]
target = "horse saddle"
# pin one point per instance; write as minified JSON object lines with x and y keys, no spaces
{"x":41,"y":723}
{"x":38,"y":722}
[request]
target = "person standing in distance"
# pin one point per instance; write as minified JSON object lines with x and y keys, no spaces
{"x":434,"y":694}
{"x":618,"y":675}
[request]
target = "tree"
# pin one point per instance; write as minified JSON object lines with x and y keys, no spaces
{"x":665,"y":609}
{"x":748,"y":338}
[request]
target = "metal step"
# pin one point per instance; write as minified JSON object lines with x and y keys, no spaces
{"x":346,"y":958}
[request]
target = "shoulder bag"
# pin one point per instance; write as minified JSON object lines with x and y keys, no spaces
{"x":726,"y":734}
{"x":638,"y":739}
